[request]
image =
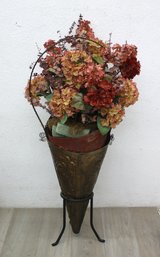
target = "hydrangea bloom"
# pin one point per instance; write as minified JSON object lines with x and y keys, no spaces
{"x":113,"y":116}
{"x":128,"y":93}
{"x":39,"y":86}
{"x":61,"y":102}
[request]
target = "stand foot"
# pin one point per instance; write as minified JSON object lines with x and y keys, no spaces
{"x":64,"y":224}
{"x":91,"y":222}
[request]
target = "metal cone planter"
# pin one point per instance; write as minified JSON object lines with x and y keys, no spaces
{"x":77,"y":174}
{"x":85,"y":84}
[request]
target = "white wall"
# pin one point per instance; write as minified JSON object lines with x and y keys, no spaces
{"x":130,"y":175}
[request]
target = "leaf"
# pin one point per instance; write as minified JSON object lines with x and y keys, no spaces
{"x":87,"y":107}
{"x":77,"y":101}
{"x":78,"y":85}
{"x":40,"y":94}
{"x":108,"y":77}
{"x":52,"y":121}
{"x":64,"y":119}
{"x":54,"y":133}
{"x":78,"y":105}
{"x":66,"y":131}
{"x":116,"y":99}
{"x":93,"y":43}
{"x":48,"y":97}
{"x":103,"y":129}
{"x":52,"y":70}
{"x":98,"y":59}
{"x":62,"y":129}
{"x":77,"y":97}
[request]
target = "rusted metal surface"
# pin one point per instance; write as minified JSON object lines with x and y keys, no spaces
{"x":77,"y":174}
{"x":84,"y":144}
{"x":91,"y":142}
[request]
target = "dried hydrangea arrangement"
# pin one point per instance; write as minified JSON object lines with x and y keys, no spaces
{"x":86,"y":79}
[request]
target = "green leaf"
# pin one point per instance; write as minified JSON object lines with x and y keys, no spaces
{"x":52,"y":70}
{"x":54,"y":133}
{"x":78,"y":85}
{"x":103,"y":129}
{"x":48,"y":97}
{"x":116,"y":99}
{"x":64,"y":119}
{"x":78,"y":105}
{"x":40,"y":94}
{"x":66,"y":131}
{"x":77,"y":101}
{"x":108,"y":77}
{"x":87,"y":107}
{"x":93,"y":43}
{"x":98,"y":59}
{"x":62,"y":129}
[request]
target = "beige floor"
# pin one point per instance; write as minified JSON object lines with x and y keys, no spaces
{"x":129,"y":232}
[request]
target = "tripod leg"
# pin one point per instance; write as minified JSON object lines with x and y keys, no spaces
{"x":64,"y":224}
{"x":91,"y":222}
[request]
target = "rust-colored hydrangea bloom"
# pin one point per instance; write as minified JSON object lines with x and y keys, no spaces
{"x":60,"y":103}
{"x":128,"y":93}
{"x":100,"y":96}
{"x":113,"y":116}
{"x":125,"y":57}
{"x":130,"y":68}
{"x":79,"y":69}
{"x":38,"y":87}
{"x":124,"y":52}
{"x":93,"y":45}
{"x":52,"y":61}
{"x":84,"y":30}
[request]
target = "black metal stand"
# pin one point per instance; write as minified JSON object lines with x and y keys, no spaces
{"x":65,"y":199}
